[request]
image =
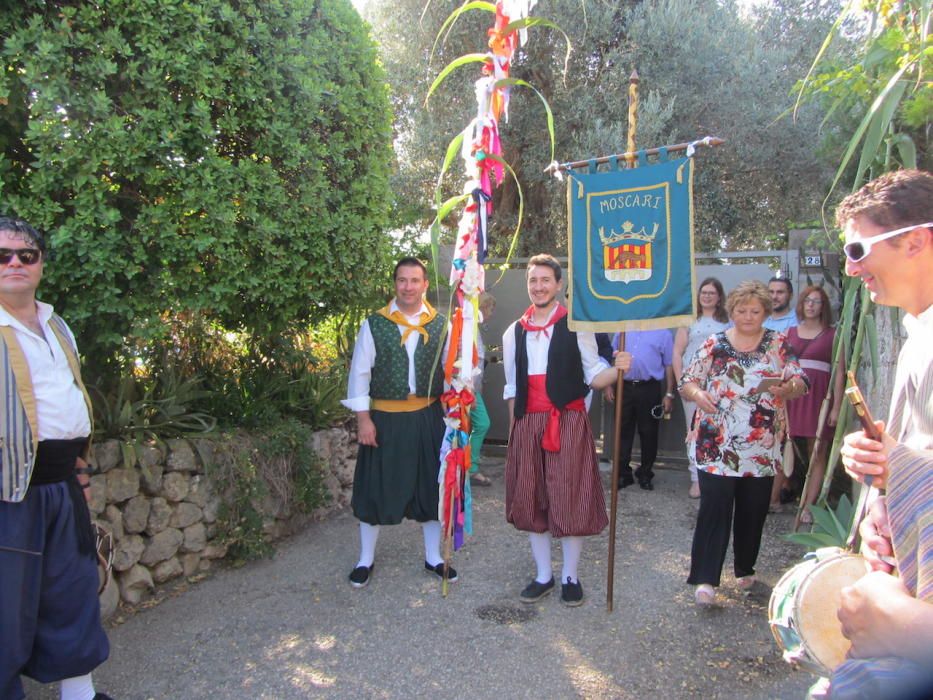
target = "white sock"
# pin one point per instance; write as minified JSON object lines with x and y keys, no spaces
{"x":573,"y":547}
{"x":78,"y":688}
{"x":432,"y":542}
{"x":541,"y":551}
{"x":693,"y":473}
{"x":369,"y":535}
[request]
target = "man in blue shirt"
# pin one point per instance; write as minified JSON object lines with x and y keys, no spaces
{"x":782,"y":317}
{"x":649,"y":393}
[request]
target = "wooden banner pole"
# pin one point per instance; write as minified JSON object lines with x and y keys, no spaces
{"x":617,"y":423}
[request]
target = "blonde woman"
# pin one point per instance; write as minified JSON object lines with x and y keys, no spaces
{"x":739,"y":379}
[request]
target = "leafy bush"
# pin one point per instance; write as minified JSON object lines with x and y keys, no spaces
{"x":227,"y":158}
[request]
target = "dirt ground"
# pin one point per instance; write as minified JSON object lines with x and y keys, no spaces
{"x":292,"y":627}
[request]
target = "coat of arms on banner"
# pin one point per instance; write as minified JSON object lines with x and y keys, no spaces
{"x":627,"y":253}
{"x":631,"y":247}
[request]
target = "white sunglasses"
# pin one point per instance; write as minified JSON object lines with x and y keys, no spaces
{"x":856,"y":251}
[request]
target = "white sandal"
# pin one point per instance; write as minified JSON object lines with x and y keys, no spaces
{"x":704,"y":595}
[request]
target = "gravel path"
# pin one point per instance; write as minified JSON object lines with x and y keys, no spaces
{"x":292,"y":627}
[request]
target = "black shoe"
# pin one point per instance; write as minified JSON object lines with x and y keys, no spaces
{"x":571,"y":594}
{"x":535,"y":591}
{"x":646,"y":485}
{"x":625,"y":481}
{"x":439,"y":570}
{"x":359,"y":577}
{"x":101,"y":696}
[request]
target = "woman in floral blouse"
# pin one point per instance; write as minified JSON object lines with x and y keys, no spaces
{"x":739,"y":379}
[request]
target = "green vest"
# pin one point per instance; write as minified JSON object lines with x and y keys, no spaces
{"x":19,"y":431}
{"x":389,"y":379}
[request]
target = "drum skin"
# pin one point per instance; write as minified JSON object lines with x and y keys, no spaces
{"x":812,"y":590}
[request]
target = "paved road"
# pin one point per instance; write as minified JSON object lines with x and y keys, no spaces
{"x":292,"y":627}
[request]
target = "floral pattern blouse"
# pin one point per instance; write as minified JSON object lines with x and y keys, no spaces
{"x":744,"y":436}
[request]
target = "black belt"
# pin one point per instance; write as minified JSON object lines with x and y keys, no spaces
{"x":55,"y":462}
{"x":640,"y":381}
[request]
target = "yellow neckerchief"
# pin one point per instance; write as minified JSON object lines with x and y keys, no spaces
{"x":398,"y":317}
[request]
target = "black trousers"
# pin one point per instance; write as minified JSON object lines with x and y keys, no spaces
{"x":748,"y":497}
{"x":638,"y":399}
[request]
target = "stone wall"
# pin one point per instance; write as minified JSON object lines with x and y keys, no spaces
{"x":163,"y":510}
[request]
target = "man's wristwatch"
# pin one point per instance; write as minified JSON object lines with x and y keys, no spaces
{"x":669,"y":395}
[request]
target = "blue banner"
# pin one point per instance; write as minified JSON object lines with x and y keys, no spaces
{"x":631,"y":247}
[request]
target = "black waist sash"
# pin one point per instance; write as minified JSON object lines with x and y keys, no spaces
{"x":55,"y":462}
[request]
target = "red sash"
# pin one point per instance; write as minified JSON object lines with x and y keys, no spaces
{"x":538,"y":402}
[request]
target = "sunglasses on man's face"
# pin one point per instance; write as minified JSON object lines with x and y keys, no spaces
{"x":856,"y":251}
{"x":27,"y":256}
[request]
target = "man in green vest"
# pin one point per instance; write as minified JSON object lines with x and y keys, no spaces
{"x":395,"y":381}
{"x":50,"y":627}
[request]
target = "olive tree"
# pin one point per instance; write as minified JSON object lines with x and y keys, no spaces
{"x":705,"y":69}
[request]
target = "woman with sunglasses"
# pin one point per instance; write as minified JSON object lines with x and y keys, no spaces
{"x":711,"y":318}
{"x":812,"y":341}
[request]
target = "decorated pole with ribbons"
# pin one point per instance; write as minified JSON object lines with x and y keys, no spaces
{"x":480,"y":148}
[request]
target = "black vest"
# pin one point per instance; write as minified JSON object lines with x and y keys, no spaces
{"x":564,"y":379}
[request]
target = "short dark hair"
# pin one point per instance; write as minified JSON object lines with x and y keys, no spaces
{"x":547,"y":261}
{"x":11,"y":224}
{"x":785,"y":280}
{"x":409,"y":262}
{"x":896,"y":199}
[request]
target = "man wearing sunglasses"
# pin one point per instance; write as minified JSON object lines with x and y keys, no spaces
{"x":50,"y":627}
{"x":888,"y":227}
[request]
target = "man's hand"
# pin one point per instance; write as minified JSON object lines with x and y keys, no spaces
{"x":868,"y":611}
{"x":83,"y":479}
{"x":876,"y":537}
{"x":863,"y":456}
{"x":623,"y":360}
{"x":365,"y":429}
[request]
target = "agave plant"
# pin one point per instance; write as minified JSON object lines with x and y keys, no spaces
{"x":138,"y":411}
{"x":830,"y":527}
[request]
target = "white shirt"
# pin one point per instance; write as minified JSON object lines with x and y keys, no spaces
{"x":364,"y":357}
{"x":60,"y":407}
{"x":537,"y":345}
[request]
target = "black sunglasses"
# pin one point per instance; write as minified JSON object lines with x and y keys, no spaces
{"x":856,"y":251}
{"x":27,"y":256}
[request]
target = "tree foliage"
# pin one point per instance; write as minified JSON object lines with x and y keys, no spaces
{"x":879,"y":95}
{"x":878,"y":102}
{"x":222,"y":157}
{"x":704,"y":69}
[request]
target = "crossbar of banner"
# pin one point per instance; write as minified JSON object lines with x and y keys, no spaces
{"x":632,"y":155}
